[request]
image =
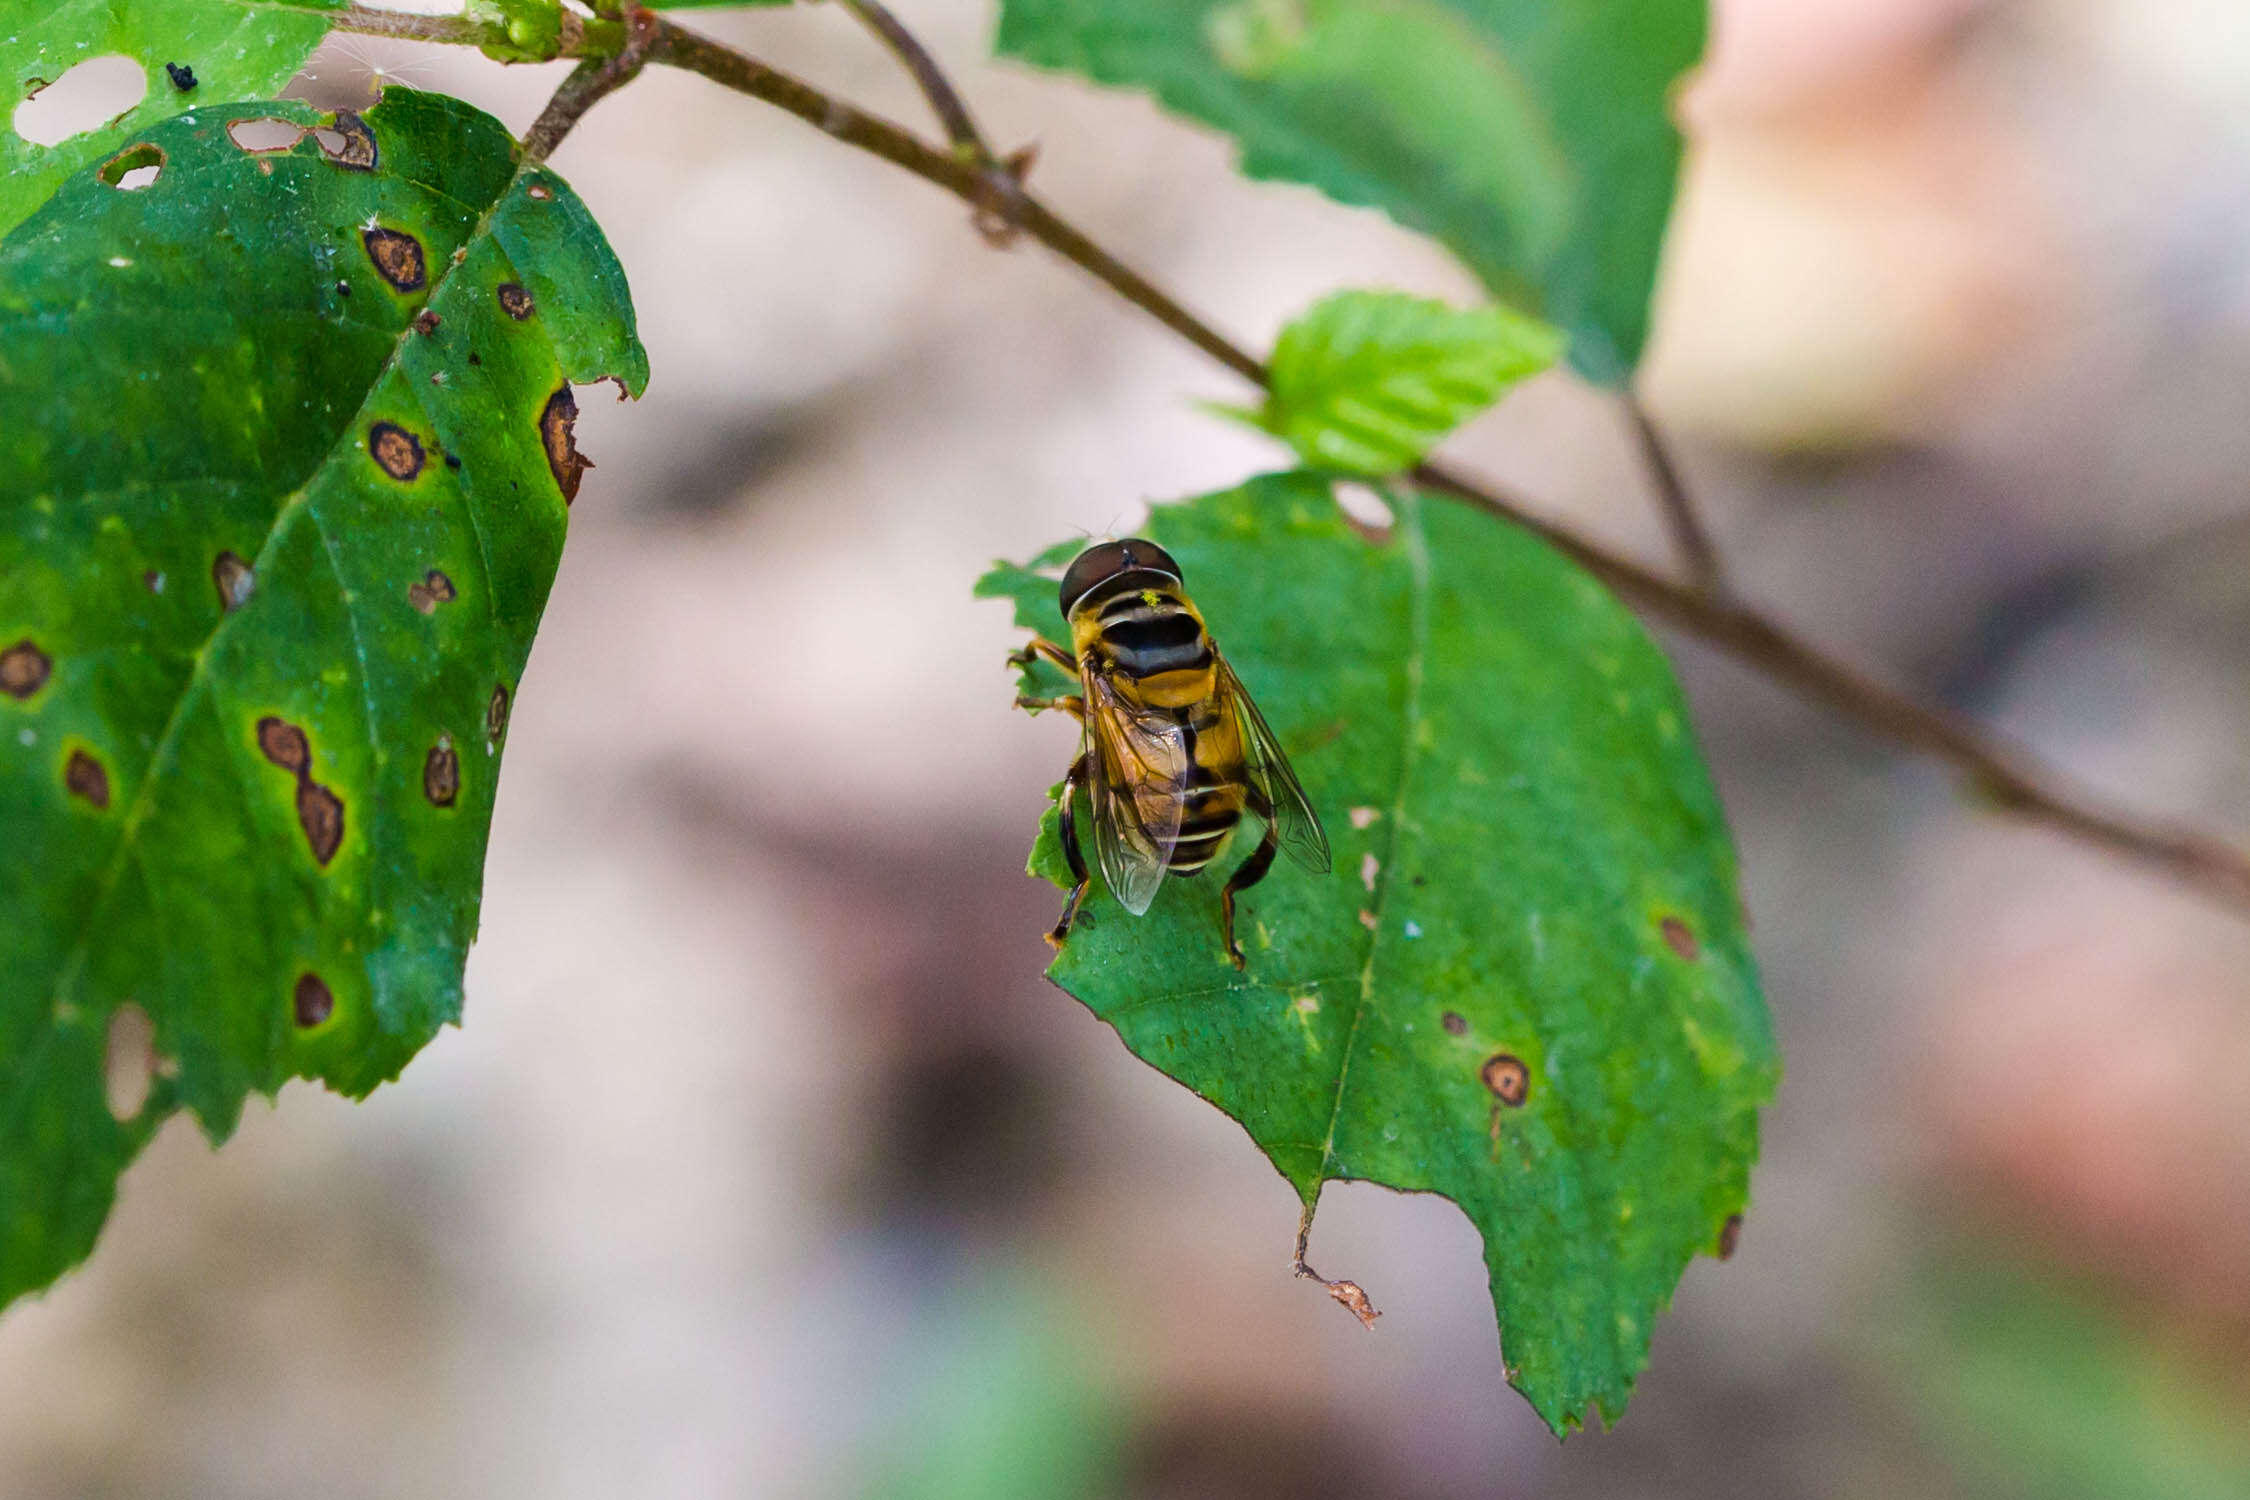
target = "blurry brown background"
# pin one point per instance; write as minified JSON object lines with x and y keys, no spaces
{"x":766,"y":1165}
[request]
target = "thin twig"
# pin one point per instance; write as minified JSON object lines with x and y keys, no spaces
{"x":580,"y":37}
{"x":997,"y":209}
{"x":589,"y":83}
{"x":1348,"y":1294}
{"x":945,"y":100}
{"x":2012,"y":780}
{"x":1690,"y":539}
{"x":368,"y":20}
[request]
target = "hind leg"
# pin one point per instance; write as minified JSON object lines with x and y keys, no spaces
{"x":1248,"y":874}
{"x":1068,"y":828}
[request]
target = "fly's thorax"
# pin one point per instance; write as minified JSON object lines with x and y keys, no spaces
{"x":1151,"y":633}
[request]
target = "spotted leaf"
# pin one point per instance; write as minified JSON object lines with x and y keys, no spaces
{"x":185,"y":52}
{"x":1525,"y":985}
{"x":283,"y":485}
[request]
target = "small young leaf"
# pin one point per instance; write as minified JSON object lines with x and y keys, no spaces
{"x":189,"y":51}
{"x":1368,"y":382}
{"x":283,"y":483}
{"x":1525,"y":986}
{"x":1534,"y":139}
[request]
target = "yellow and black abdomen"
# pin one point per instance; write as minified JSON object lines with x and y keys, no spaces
{"x":1162,"y":660}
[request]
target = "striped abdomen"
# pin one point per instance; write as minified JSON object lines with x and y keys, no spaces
{"x":1156,"y":651}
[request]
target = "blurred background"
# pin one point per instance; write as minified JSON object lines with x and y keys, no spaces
{"x":767,"y":1165}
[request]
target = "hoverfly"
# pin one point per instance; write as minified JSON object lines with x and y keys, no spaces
{"x":1174,"y":751}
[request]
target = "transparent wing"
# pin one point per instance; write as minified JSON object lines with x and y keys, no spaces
{"x":1301,"y":833}
{"x":1140,"y":771}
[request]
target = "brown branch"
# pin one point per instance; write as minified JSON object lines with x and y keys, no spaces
{"x":589,"y":83}
{"x":1690,"y":539}
{"x":999,"y":206}
{"x":1348,"y":1294}
{"x":580,"y":37}
{"x":2013,"y":781}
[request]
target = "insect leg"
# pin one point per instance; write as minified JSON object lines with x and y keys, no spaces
{"x":1249,"y":872}
{"x":1067,"y":826}
{"x":1073,"y":705}
{"x":1041,"y":646}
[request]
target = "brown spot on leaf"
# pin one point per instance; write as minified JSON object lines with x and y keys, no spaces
{"x":441,"y":773}
{"x":563,"y":457}
{"x":1507,"y":1077}
{"x":153,"y":581}
{"x":135,"y":167}
{"x":354,"y":147}
{"x":1730,"y":1235}
{"x":398,"y":258}
{"x":434,"y":589}
{"x":1454,"y":1023}
{"x":24,"y":669}
{"x":84,"y":778}
{"x":395,"y":450}
{"x":320,"y":812}
{"x":514,"y":300}
{"x":284,"y":744}
{"x":426,"y":322}
{"x":233,"y":579}
{"x":1680,"y":938}
{"x":496,"y":713}
{"x":312,"y":1001}
{"x":540,"y":191}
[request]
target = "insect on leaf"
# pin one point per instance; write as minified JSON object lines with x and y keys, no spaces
{"x":283,"y":485}
{"x":1368,"y":382}
{"x":1526,"y":984}
{"x":1533,"y":137}
{"x":188,"y":51}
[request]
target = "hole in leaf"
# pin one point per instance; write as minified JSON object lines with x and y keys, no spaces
{"x":133,"y":168}
{"x":128,"y":1060}
{"x":264,"y":133}
{"x":91,"y":94}
{"x":348,"y":143}
{"x":1365,"y":510}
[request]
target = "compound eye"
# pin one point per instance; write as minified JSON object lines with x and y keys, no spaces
{"x":1145,"y":554}
{"x":1092,"y":567}
{"x":1106,"y":560}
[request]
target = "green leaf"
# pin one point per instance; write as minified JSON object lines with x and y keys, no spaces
{"x":1533,"y":886}
{"x":1368,"y":382}
{"x":1533,"y":137}
{"x":287,"y":457}
{"x":222,"y":49}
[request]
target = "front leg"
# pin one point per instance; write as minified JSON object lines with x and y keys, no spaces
{"x":1040,"y":646}
{"x":1073,"y":705}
